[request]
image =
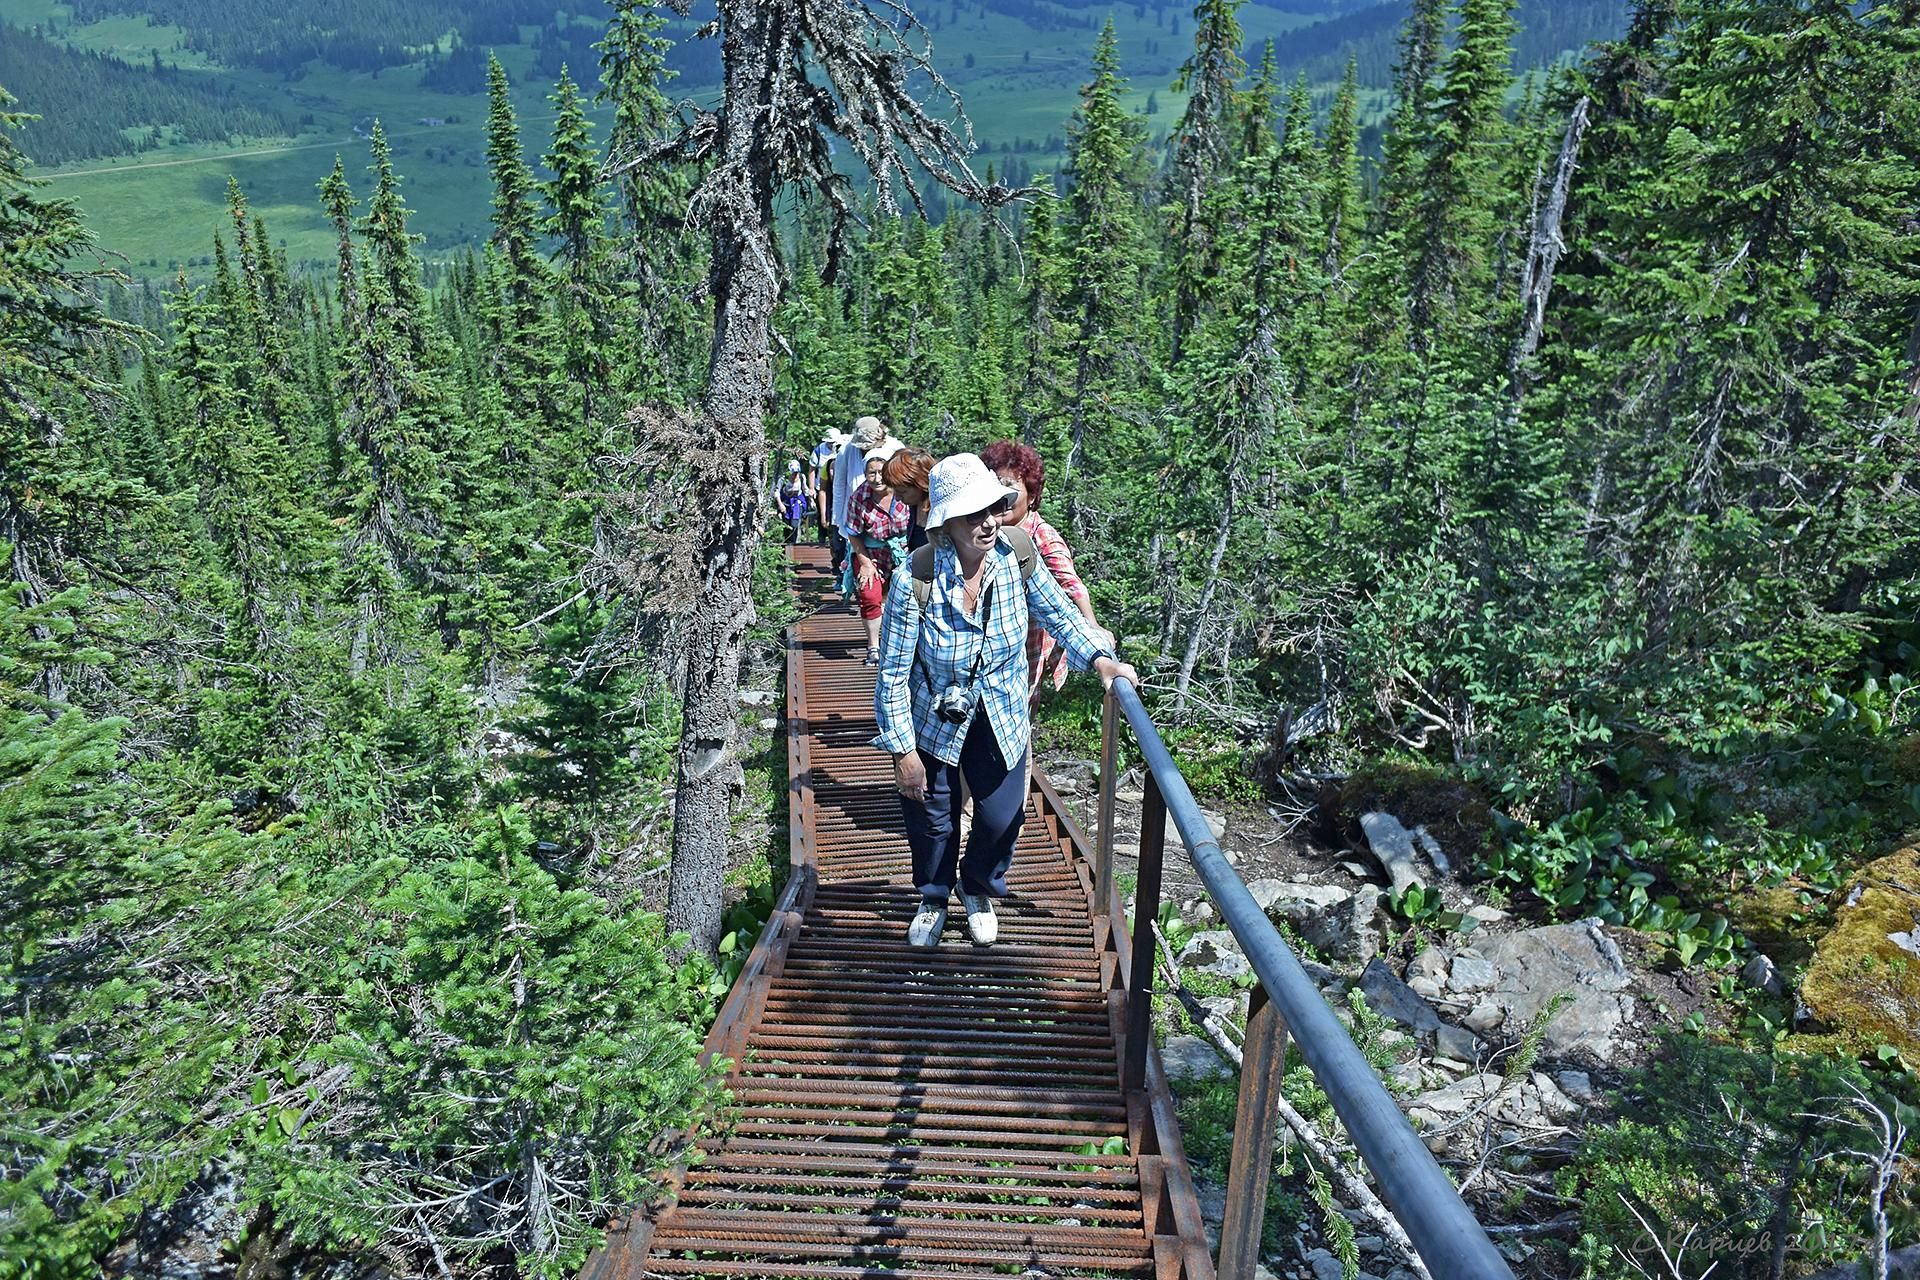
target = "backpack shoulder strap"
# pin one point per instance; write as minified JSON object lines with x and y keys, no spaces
{"x":1023,"y":549}
{"x":920,"y":563}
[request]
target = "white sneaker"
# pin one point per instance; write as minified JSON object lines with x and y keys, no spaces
{"x":982,"y":925}
{"x":928,"y":924}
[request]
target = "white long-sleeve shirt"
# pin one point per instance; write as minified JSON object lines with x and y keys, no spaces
{"x":848,"y":470}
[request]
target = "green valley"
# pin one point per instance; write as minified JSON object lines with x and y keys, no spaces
{"x":296,"y":97}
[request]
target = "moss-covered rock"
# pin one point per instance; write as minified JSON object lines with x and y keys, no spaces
{"x":1864,"y":982}
{"x":1777,"y":921}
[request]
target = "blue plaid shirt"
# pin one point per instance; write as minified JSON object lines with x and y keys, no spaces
{"x":939,"y":649}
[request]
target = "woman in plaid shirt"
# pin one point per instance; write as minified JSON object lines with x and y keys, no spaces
{"x":879,"y":521}
{"x":951,"y":697}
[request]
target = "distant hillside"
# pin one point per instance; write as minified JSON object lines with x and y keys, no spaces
{"x":1548,"y":29}
{"x":91,"y":105}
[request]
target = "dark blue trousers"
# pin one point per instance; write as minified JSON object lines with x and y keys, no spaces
{"x":999,"y":809}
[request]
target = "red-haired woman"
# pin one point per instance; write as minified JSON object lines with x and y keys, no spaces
{"x":1021,"y":469}
{"x":906,"y":474}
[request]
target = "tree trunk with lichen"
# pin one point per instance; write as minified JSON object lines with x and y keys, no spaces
{"x":726,"y":500}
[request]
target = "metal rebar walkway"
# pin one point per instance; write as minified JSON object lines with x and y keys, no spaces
{"x":953,"y":1113}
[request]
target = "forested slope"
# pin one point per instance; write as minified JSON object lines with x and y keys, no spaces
{"x":90,"y":105}
{"x":349,"y":614}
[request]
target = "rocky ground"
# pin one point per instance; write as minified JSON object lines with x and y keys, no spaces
{"x":1504,"y":1039}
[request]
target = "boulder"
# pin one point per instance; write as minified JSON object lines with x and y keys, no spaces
{"x":1430,"y":963}
{"x":1341,"y":923}
{"x":1392,"y":844}
{"x":1484,"y":1017}
{"x":1189,"y":1058}
{"x":1391,"y":998}
{"x":1578,"y":960}
{"x":1578,"y":1086}
{"x":1215,"y":952}
{"x":1457,"y":1043}
{"x":1864,"y":981}
{"x":1471,"y":972}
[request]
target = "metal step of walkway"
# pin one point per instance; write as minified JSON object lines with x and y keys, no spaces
{"x":946,"y":1114}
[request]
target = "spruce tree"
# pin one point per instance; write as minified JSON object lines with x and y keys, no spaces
{"x":1105,"y":245}
{"x":1201,"y":150}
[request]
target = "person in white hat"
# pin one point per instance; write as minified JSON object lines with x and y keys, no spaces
{"x":951,"y":697}
{"x":820,"y":467}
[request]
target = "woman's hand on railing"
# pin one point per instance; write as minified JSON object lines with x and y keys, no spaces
{"x":1111,"y":669}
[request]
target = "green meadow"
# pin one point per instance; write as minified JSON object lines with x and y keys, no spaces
{"x":158,"y":209}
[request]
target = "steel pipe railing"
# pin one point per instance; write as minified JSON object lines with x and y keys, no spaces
{"x":1443,"y":1231}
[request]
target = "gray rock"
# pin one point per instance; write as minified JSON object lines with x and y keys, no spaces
{"x":1324,"y":1266}
{"x":1457,"y":1043}
{"x":1485,"y":914}
{"x":1391,"y":998}
{"x":1484,"y":1017}
{"x":1215,"y":952}
{"x":1759,"y":974}
{"x":1216,"y":824}
{"x":756,"y":697}
{"x":1202,"y":913}
{"x":1369,"y":1244}
{"x":1430,"y":963}
{"x":1428,"y":988}
{"x":1471,"y":973}
{"x":1392,"y":844}
{"x":769,"y":725}
{"x":1554,"y":1103}
{"x":1579,"y":959}
{"x":1358,"y":870}
{"x":1342,"y":923}
{"x":1578,"y":1086}
{"x":1189,"y":1058}
{"x":1456,"y":1098}
{"x":1269,"y":893}
{"x":1128,"y":795}
{"x":1435,"y":854}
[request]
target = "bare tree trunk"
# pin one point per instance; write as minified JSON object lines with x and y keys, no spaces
{"x":745,"y":284}
{"x":1191,"y":658}
{"x":1543,"y":256}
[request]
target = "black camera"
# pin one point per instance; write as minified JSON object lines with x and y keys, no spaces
{"x":955,"y":704}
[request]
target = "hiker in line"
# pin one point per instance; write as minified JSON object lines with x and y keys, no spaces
{"x":907,"y":477}
{"x":849,"y":465}
{"x":951,"y":692}
{"x":820,"y":467}
{"x":1020,"y":467}
{"x":795,"y":498}
{"x":878,"y":521}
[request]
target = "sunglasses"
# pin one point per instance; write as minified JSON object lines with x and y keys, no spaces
{"x":999,"y":508}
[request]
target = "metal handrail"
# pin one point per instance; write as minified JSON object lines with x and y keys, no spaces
{"x":1443,"y":1231}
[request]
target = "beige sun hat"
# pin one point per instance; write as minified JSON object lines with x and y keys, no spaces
{"x":961,"y":485}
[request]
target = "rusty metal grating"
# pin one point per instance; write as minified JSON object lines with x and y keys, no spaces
{"x":906,"y":1113}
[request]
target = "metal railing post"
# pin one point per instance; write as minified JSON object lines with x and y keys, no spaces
{"x":1449,"y":1240}
{"x":1261,"y":1067}
{"x":1146,"y":913}
{"x":1109,"y":784}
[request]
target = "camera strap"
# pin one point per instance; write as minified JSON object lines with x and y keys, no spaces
{"x":979,"y":657}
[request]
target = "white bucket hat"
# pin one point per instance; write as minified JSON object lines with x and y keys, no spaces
{"x":960,"y":485}
{"x":884,"y":450}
